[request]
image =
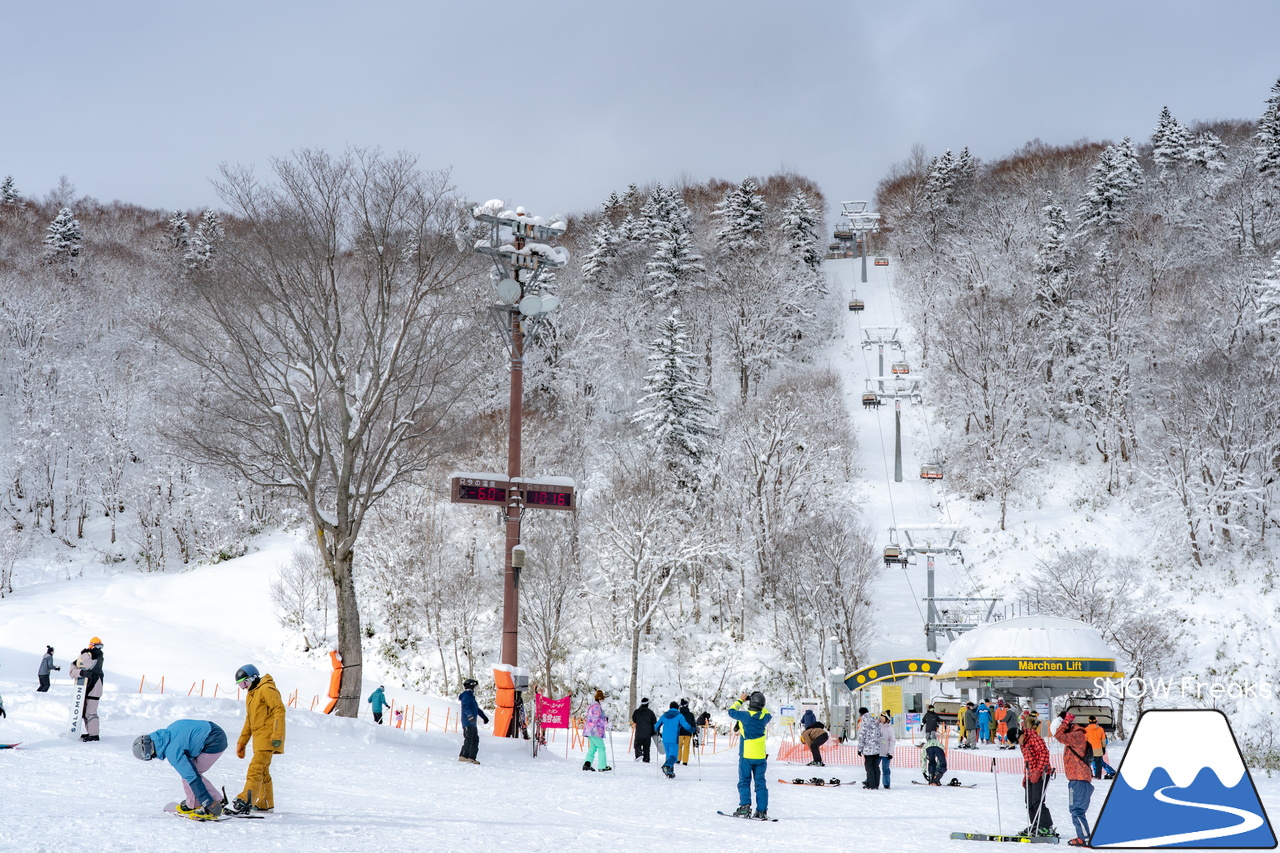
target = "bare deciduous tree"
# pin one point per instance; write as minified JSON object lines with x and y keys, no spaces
{"x":331,"y":333}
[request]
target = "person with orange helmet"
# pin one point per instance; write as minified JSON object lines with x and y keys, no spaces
{"x":89,"y":667}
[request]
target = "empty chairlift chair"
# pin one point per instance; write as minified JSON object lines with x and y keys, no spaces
{"x":856,"y":304}
{"x":900,"y":368}
{"x":882,"y":262}
{"x":931,"y":471}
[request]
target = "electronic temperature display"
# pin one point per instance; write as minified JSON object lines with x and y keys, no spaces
{"x":469,"y":490}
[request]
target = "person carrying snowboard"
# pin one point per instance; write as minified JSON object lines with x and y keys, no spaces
{"x":753,"y":754}
{"x":470,"y":729}
{"x":192,"y":747}
{"x":89,"y":667}
{"x":42,"y":674}
{"x":670,"y":727}
{"x":264,"y":725}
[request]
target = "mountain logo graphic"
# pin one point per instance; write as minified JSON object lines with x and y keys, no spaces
{"x":1183,"y":783}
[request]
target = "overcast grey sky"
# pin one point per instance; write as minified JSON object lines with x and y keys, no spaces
{"x":552,"y":105}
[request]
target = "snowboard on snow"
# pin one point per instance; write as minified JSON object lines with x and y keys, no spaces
{"x":814,"y":782}
{"x":951,"y":784}
{"x":756,"y":819}
{"x":172,"y":808}
{"x":1021,"y":839}
{"x":9,"y":745}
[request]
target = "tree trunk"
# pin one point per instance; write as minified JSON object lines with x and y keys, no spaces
{"x":349,"y":638}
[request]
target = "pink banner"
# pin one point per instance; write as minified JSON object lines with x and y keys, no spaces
{"x":553,"y":713}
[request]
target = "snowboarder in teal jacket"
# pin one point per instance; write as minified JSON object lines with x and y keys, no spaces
{"x":669,"y":726}
{"x":379,"y":702}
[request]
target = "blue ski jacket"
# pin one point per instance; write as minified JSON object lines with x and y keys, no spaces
{"x":669,"y":726}
{"x":183,"y":741}
{"x":471,"y":709}
{"x":378,"y":699}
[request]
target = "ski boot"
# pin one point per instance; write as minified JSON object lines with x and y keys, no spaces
{"x":586,"y":765}
{"x":238,"y":807}
{"x":195,"y":814}
{"x":1048,"y":832}
{"x":760,"y":816}
{"x":1077,"y":842}
{"x":742,"y":811}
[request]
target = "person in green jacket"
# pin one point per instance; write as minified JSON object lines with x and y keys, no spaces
{"x":379,"y":701}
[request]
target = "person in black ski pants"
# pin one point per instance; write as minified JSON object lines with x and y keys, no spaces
{"x":643,"y":719}
{"x":42,"y":674}
{"x":470,"y":731}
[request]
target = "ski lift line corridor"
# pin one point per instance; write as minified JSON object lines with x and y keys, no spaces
{"x":885,"y":505}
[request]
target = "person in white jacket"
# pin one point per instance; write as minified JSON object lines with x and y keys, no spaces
{"x":887,"y":743}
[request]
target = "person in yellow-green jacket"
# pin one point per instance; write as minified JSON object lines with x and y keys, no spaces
{"x":752,"y":754}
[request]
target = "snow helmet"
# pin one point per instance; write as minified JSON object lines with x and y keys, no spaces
{"x":94,"y":641}
{"x":143,"y":748}
{"x":247,"y":676}
{"x":755,"y":701}
{"x":470,"y":684}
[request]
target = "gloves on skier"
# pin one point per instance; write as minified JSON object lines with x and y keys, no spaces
{"x":276,"y":744}
{"x":240,"y":748}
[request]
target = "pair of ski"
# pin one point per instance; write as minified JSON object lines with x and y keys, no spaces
{"x":1020,"y":839}
{"x":744,"y":817}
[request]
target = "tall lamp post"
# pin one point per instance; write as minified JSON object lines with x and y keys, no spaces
{"x":516,"y":246}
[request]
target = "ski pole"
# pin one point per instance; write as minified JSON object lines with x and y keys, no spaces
{"x":613,"y":755}
{"x":995,"y":782}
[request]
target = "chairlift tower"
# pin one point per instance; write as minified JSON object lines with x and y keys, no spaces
{"x":897,"y":388}
{"x":881,"y":336}
{"x":931,"y":540}
{"x":861,"y":221}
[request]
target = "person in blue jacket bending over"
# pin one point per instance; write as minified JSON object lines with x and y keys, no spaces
{"x":753,"y":755}
{"x":192,"y":747}
{"x":669,"y":726}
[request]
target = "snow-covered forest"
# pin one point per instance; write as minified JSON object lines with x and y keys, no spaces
{"x":677,"y":387}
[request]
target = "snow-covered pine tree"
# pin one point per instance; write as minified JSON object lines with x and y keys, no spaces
{"x":204,"y":242}
{"x":1169,"y":142}
{"x":1266,"y":289}
{"x":612,"y":205}
{"x":673,"y":261}
{"x":179,"y":230}
{"x":595,"y":266}
{"x":9,"y":194}
{"x":800,"y":224}
{"x":1112,"y":183}
{"x":63,"y":239}
{"x":940,"y":184}
{"x":1267,"y":151}
{"x":1053,"y":264}
{"x":656,"y":211}
{"x":741,"y":213}
{"x":676,"y":411}
{"x":1207,"y":152}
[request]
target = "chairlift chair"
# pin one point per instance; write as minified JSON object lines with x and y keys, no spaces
{"x":901,"y":368}
{"x":931,"y":471}
{"x":882,"y":262}
{"x":893,"y":554}
{"x":856,"y":305}
{"x":870,"y":400}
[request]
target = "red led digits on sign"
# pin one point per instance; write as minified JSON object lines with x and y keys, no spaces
{"x":536,"y":498}
{"x":481,"y":493}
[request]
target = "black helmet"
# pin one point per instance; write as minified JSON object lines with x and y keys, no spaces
{"x":755,"y":701}
{"x":143,"y":748}
{"x":247,"y":676}
{"x":470,"y":684}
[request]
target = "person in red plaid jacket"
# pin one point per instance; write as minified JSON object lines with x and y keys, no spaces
{"x":1035,"y":780}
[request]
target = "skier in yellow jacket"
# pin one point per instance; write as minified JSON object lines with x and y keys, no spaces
{"x":264,"y":725}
